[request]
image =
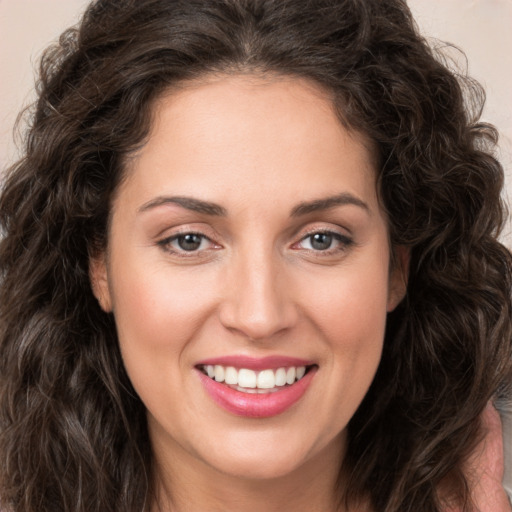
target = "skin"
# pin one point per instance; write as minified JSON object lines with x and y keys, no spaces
{"x":258,"y":148}
{"x":485,"y":467}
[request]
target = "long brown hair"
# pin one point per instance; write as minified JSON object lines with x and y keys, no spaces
{"x":73,"y":431}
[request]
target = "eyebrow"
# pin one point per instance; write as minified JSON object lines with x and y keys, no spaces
{"x":303,"y":208}
{"x":325,"y":203}
{"x":190,"y":203}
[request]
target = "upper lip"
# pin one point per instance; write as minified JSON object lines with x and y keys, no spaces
{"x":255,"y":363}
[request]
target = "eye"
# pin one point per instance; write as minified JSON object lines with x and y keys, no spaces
{"x":184,"y":243}
{"x":189,"y":241}
{"x":320,"y":241}
{"x":324,"y":241}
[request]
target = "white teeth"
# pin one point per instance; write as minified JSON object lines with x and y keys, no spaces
{"x":231,"y":375}
{"x":266,"y":379}
{"x":246,"y":378}
{"x":250,"y":379}
{"x":290,"y":375}
{"x":219,"y":373}
{"x":281,"y":377}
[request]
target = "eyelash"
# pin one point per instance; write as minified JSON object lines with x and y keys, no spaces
{"x":343,"y":243}
{"x":165,"y":244}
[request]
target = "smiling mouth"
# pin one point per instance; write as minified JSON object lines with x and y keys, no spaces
{"x":256,"y":382}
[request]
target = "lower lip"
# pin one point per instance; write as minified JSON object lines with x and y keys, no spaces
{"x":256,"y":405}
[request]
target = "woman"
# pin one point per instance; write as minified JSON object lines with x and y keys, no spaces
{"x":250,"y":262}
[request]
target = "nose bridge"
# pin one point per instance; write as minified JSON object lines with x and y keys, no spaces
{"x":256,"y":302}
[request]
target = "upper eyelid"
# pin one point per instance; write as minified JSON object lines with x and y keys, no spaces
{"x":342,"y":232}
{"x":180,"y":230}
{"x":177,"y":234}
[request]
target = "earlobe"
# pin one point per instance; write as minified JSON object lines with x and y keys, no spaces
{"x":98,"y":276}
{"x":399,"y":277}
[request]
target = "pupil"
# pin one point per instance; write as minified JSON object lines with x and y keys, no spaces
{"x":189,"y":242}
{"x":321,"y":241}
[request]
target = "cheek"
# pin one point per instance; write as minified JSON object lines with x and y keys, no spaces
{"x":350,"y":313}
{"x":158,"y":314}
{"x":354,"y":330}
{"x":157,"y":306}
{"x":350,"y":306}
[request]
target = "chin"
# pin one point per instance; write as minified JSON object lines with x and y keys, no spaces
{"x":257,"y":468}
{"x":266,"y":458}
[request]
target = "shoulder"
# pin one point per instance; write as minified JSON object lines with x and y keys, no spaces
{"x":486,"y":467}
{"x":504,"y":407}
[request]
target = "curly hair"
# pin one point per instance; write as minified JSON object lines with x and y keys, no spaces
{"x":73,"y":431}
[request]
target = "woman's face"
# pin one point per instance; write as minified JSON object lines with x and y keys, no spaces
{"x":247,"y":241}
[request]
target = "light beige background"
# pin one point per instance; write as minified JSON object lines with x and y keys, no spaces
{"x":482,"y":28}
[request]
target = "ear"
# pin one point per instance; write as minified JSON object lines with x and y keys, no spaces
{"x":398,"y":277}
{"x":98,"y":276}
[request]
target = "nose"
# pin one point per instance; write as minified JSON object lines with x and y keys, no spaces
{"x":258,"y":300}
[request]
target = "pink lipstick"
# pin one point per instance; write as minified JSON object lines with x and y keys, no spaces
{"x":256,"y":387}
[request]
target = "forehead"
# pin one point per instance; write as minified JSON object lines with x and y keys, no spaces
{"x":252,"y":135}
